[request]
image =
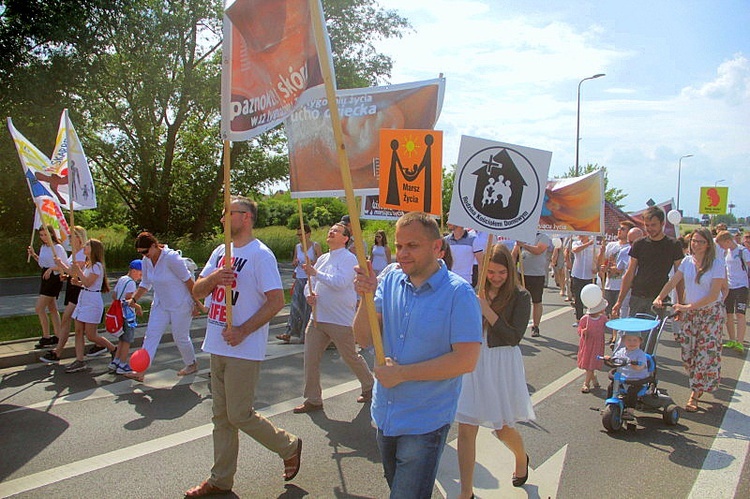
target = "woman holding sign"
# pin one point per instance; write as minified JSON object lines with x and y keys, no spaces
{"x":495,"y":395}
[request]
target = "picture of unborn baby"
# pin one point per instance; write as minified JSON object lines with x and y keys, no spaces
{"x":313,"y":159}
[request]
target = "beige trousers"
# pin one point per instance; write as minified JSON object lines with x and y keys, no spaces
{"x":317,"y":339}
{"x":233,"y":384}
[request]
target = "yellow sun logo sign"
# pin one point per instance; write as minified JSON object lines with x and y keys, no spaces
{"x":411,"y":170}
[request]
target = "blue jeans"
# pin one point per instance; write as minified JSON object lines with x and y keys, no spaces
{"x":299,"y":311}
{"x":410,"y":462}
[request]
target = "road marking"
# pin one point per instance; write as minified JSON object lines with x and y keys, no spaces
{"x":494,"y":460}
{"x":71,"y":470}
{"x":721,"y":471}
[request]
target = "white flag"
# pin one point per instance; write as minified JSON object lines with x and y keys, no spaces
{"x":69,"y":160}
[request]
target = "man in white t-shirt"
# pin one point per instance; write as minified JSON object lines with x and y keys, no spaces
{"x":237,"y":352}
{"x":465,"y":250}
{"x":736,"y":260}
{"x":335,"y":301}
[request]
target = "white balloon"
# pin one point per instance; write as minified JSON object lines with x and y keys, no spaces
{"x":674,"y":217}
{"x":591,"y":295}
{"x":556,"y":242}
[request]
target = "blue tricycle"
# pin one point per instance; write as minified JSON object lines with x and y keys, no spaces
{"x":643,"y":394}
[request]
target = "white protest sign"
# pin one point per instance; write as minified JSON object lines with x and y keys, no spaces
{"x":499,"y":188}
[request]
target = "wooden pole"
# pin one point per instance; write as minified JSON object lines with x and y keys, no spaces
{"x":346,"y":177}
{"x":485,"y":262}
{"x":31,"y":243}
{"x":520,"y":265}
{"x":307,"y":258}
{"x":227,"y":229}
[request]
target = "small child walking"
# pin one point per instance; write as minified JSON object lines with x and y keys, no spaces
{"x":90,"y":307}
{"x":124,"y":291}
{"x":591,"y":330}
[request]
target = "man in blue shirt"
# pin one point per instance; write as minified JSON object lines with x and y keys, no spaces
{"x":432,"y":333}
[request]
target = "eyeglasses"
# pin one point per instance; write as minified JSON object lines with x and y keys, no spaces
{"x":143,"y":251}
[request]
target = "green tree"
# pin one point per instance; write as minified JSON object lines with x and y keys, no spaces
{"x":142,"y":80}
{"x":449,"y":175}
{"x":611,"y":194}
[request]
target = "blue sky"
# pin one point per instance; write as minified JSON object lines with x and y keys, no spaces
{"x":677,"y":83}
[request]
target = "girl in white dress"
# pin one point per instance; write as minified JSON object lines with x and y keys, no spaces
{"x":90,"y":306}
{"x":495,"y":394}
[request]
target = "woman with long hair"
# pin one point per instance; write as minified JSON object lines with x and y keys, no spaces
{"x":164,"y":269}
{"x":380,"y":254}
{"x":88,"y":312}
{"x":50,"y":285}
{"x":495,"y":394}
{"x":702,"y":313}
{"x":78,"y":238}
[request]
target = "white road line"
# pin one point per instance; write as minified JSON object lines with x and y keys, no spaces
{"x":722,"y":468}
{"x":48,"y":477}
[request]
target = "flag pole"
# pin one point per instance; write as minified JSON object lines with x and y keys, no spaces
{"x":346,"y":177}
{"x":227,"y":230}
{"x":485,"y":262}
{"x":307,"y":258}
{"x":71,"y":173}
{"x":31,"y":243}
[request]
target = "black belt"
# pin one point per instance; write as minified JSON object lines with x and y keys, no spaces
{"x":90,"y":290}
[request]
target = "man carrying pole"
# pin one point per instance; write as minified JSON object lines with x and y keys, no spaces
{"x":432,"y":333}
{"x":237,"y":349}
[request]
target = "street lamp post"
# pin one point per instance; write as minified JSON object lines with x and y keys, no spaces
{"x":578,"y":116}
{"x":679,"y":169}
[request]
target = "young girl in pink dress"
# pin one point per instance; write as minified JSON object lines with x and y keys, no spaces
{"x":591,"y":344}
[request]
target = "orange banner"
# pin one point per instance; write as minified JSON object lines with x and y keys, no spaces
{"x":313,"y":161}
{"x":574,"y":205}
{"x":272,"y":67}
{"x":411,"y":170}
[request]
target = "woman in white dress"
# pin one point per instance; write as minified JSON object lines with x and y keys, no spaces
{"x":495,"y":394}
{"x":380,"y":255}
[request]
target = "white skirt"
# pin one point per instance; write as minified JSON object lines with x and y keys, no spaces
{"x":89,"y":308}
{"x":495,"y":394}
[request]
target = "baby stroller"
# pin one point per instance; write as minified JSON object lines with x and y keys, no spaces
{"x":643,"y":394}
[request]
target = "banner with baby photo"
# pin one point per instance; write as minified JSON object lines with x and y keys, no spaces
{"x":499,"y":188}
{"x":574,"y":205}
{"x":313,"y":157}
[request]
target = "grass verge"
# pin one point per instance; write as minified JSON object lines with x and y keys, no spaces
{"x":23,"y":327}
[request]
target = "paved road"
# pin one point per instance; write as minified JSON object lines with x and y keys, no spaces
{"x":92,"y":435}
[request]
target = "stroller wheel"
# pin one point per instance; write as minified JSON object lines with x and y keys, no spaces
{"x":612,"y":417}
{"x":671,"y":415}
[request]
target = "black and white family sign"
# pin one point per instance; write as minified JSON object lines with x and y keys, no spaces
{"x":499,"y":188}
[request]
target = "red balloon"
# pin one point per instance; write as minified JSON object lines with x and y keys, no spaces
{"x":140,"y":360}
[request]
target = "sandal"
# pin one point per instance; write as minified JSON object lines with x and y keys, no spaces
{"x":585,"y":388}
{"x":191,"y":369}
{"x":692,"y":403}
{"x":136,"y":376}
{"x":596,"y":384}
{"x":286,"y":338}
{"x":292,"y":465}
